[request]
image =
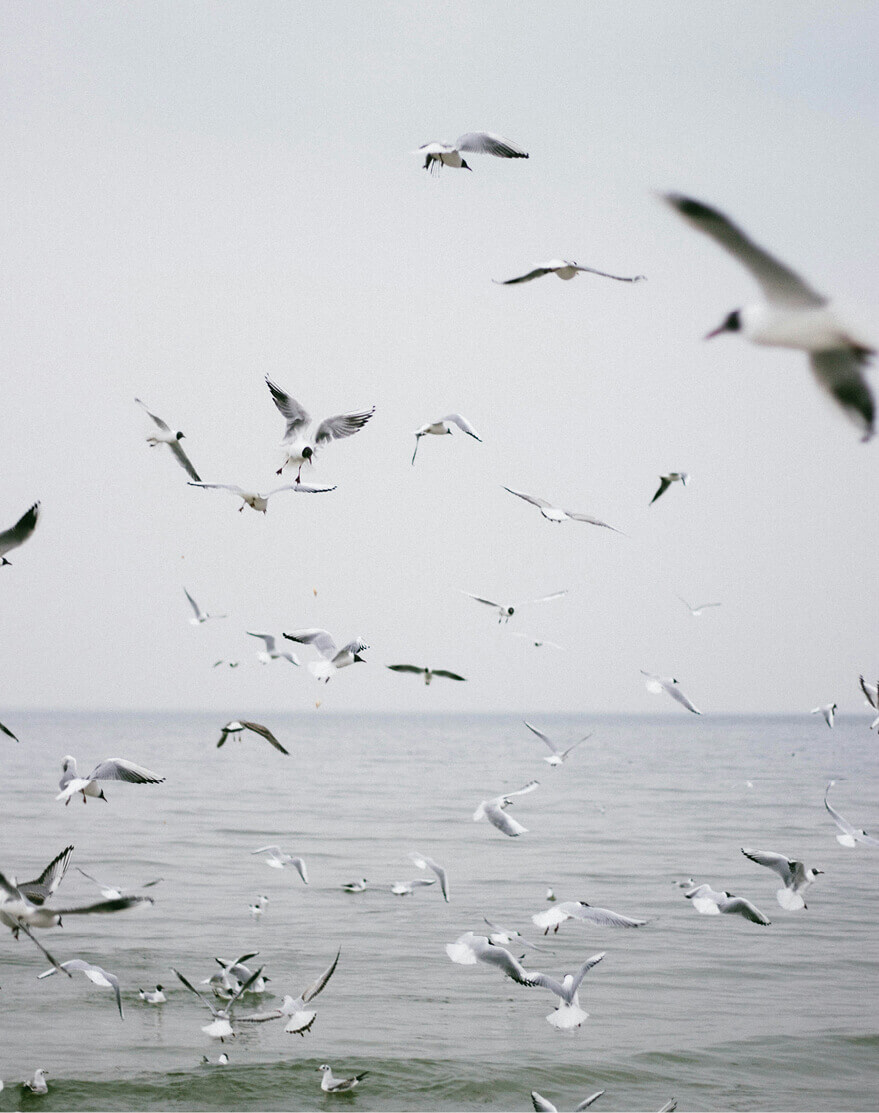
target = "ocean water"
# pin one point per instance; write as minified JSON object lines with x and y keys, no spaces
{"x":718,"y":1012}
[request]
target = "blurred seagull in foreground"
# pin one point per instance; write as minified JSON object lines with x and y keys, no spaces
{"x":564,"y":268}
{"x":557,"y":756}
{"x":657,"y":684}
{"x":665,"y":481}
{"x":568,"y":1013}
{"x":113,"y":769}
{"x":850,"y":834}
{"x":871,"y":692}
{"x":333,"y":658}
{"x":299,"y":1019}
{"x":443,"y":428}
{"x":172,"y":440}
{"x":556,"y":514}
{"x":199,"y":616}
{"x":828,"y":711}
{"x":19,"y":533}
{"x":697,"y":610}
{"x":277,"y":859}
{"x":271,"y":651}
{"x":438,"y":155}
{"x":586,"y":913}
{"x":795,"y":875}
{"x":300,"y":447}
{"x":428,"y":674}
{"x":96,"y":974}
{"x":792,"y":315}
{"x":235,"y":727}
{"x":541,"y":1105}
{"x":220,"y":1027}
{"x":259,"y":502}
{"x":710,"y":902}
{"x":494,"y":811}
{"x":114,"y":892}
{"x":506,"y":611}
{"x":332,"y":1085}
{"x":425,"y":863}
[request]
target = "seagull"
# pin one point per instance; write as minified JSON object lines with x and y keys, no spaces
{"x":550,"y":895}
{"x":152,"y":996}
{"x":871,"y":692}
{"x":657,"y":684}
{"x":406,"y":888}
{"x":220,"y":1027}
{"x":827,"y":710}
{"x":438,"y":155}
{"x":96,"y":974}
{"x":19,"y":533}
{"x":271,"y":651}
{"x":358,"y":886}
{"x":41,"y":888}
{"x":442,"y":427}
{"x":37,"y":1084}
{"x":236,"y":726}
{"x":709,"y":902}
{"x":428,"y":674}
{"x":696,"y":611}
{"x":850,"y":835}
{"x":670,"y":1106}
{"x":277,"y":859}
{"x":581,"y":910}
{"x":425,"y":863}
{"x":494,"y":811}
{"x":297,"y":446}
{"x":223,"y":661}
{"x":556,"y":514}
{"x":687,"y":883}
{"x":222,"y":1059}
{"x":541,"y":1105}
{"x":115,"y":892}
{"x":199,"y":615}
{"x":503,"y":936}
{"x":333,"y":1085}
{"x":792,"y":315}
{"x":333,"y":658}
{"x":259,"y":502}
{"x":234,"y":973}
{"x":665,"y":481}
{"x":506,"y":611}
{"x":796,"y":877}
{"x":299,"y":1019}
{"x":568,"y":1013}
{"x":566,"y":269}
{"x":538,"y":643}
{"x":256,"y":909}
{"x":113,"y":769}
{"x":172,"y":440}
{"x":468,"y":949}
{"x":557,"y":756}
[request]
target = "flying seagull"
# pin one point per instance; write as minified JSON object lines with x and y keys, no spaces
{"x":871,"y":693}
{"x":113,"y":769}
{"x":199,"y":616}
{"x":236,"y":726}
{"x":259,"y":502}
{"x":19,"y":533}
{"x":710,"y":903}
{"x":505,"y":611}
{"x":220,"y":1027}
{"x":494,"y":811}
{"x":658,"y":684}
{"x":828,"y":710}
{"x":96,"y":974}
{"x":442,"y":428}
{"x":332,"y":1085}
{"x":795,"y":875}
{"x":568,"y":1013}
{"x":468,"y":949}
{"x":428,"y":674}
{"x":665,"y":481}
{"x":557,"y":756}
{"x":850,"y":834}
{"x":541,"y":1105}
{"x":172,"y":440}
{"x":271,"y":651}
{"x":298,"y":445}
{"x":556,"y":514}
{"x":425,"y":863}
{"x":114,"y":892}
{"x":438,"y":155}
{"x":299,"y":1019}
{"x":565,"y":269}
{"x":792,"y":315}
{"x":504,"y":936}
{"x":333,"y":658}
{"x":277,"y":859}
{"x":580,"y":910}
{"x":698,"y":609}
{"x":406,"y":888}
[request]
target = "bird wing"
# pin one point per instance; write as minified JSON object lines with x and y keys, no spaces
{"x":320,"y":639}
{"x":44,"y":886}
{"x":780,"y":285}
{"x":743,"y":908}
{"x":549,"y":917}
{"x":664,"y":485}
{"x":463,"y":424}
{"x":615,"y":277}
{"x":871,"y":695}
{"x":545,"y":598}
{"x":417,"y":443}
{"x":302,"y":488}
{"x":119,"y":904}
{"x":565,"y":753}
{"x":778,"y":862}
{"x":541,"y":736}
{"x":541,"y":1104}
{"x":267,"y":850}
{"x":192,"y":989}
{"x":538,"y":272}
{"x":588,"y":1101}
{"x":499,"y":818}
{"x":117,"y":769}
{"x":670,"y":1106}
{"x":221,"y":487}
{"x":479,"y":599}
{"x":584,"y":970}
{"x":603,"y":917}
{"x":501,"y":957}
{"x":183,"y":460}
{"x":530,"y":787}
{"x":243,"y":988}
{"x":161,"y":424}
{"x":269,"y":639}
{"x":319,"y":983}
{"x":423,"y":863}
{"x":296,"y":416}
{"x":224,"y":734}
{"x":299,"y":865}
{"x":195,"y":607}
{"x":675,"y":693}
{"x":486,"y":143}
{"x":265,"y":733}
{"x":578,"y":517}
{"x":8,"y":732}
{"x":840,"y":372}
{"x":21,"y":531}
{"x":406,"y":668}
{"x":529,"y":498}
{"x":357,"y":645}
{"x":342,"y":425}
{"x":448,"y":675}
{"x":261,"y":1018}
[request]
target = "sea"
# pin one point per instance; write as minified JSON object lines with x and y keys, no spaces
{"x":716,"y":1012}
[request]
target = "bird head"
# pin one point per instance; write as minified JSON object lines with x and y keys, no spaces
{"x":511,"y":610}
{"x":179,"y":436}
{"x":307,"y":452}
{"x":731,"y":323}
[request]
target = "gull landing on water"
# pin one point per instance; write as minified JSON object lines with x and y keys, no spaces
{"x":443,"y":428}
{"x":297,"y":445}
{"x":828,"y":710}
{"x":220,"y":1027}
{"x":172,"y":440}
{"x":658,"y":684}
{"x":851,"y":835}
{"x":556,"y":514}
{"x":259,"y":502}
{"x":299,"y":1019}
{"x":792,"y":315}
{"x":37,"y":1084}
{"x":494,"y":811}
{"x":665,"y":481}
{"x":438,"y":155}
{"x":199,"y":616}
{"x":568,"y":1013}
{"x":795,"y":875}
{"x":564,"y":269}
{"x":19,"y":533}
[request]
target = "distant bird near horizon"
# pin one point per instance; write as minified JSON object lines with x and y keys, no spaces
{"x":537,"y":643}
{"x":698,"y":609}
{"x":795,"y":875}
{"x":494,"y":811}
{"x":235,"y":727}
{"x":556,"y":756}
{"x":424,"y":863}
{"x":564,"y":269}
{"x":199,"y":616}
{"x":851,"y":835}
{"x":827,"y":710}
{"x":277,"y":859}
{"x":665,"y":481}
{"x":259,"y":502}
{"x":96,"y":974}
{"x":542,"y":1105}
{"x":112,"y":769}
{"x":556,"y":514}
{"x":428,"y":674}
{"x":271,"y":651}
{"x":443,"y":428}
{"x":172,"y":440}
{"x":710,"y":902}
{"x":792,"y":315}
{"x":438,"y":155}
{"x":586,"y":913}
{"x":19,"y":533}
{"x":300,"y":448}
{"x":333,"y":658}
{"x":658,"y":684}
{"x":506,"y":611}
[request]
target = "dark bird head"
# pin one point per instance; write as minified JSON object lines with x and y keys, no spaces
{"x":731,"y":323}
{"x":5,"y":561}
{"x":179,"y":436}
{"x":307,"y":453}
{"x":511,"y":610}
{"x":816,"y":871}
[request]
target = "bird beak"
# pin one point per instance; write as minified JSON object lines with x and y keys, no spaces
{"x":715,"y":332}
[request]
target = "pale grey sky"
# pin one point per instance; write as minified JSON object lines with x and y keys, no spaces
{"x":197,"y":195}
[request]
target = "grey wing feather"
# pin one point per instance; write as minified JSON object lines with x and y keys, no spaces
{"x":21,"y":531}
{"x":485,"y":143}
{"x":243,"y":988}
{"x":219,"y":487}
{"x":615,"y":277}
{"x":604,"y":917}
{"x":541,"y":1105}
{"x":355,"y":646}
{"x":591,"y":521}
{"x":463,"y":424}
{"x":295,"y":414}
{"x":501,"y":957}
{"x":161,"y":424}
{"x":342,"y":425}
{"x":871,"y":699}
{"x":664,"y":485}
{"x":117,"y":769}
{"x":261,"y":1018}
{"x":302,"y":488}
{"x":316,"y":986}
{"x":184,"y":460}
{"x":45,"y":885}
{"x":479,"y":599}
{"x":538,"y":272}
{"x":541,"y":736}
{"x":118,"y":905}
{"x":745,"y":908}
{"x":840,"y":373}
{"x":499,"y":818}
{"x":320,"y":639}
{"x":192,"y":989}
{"x":192,"y":602}
{"x":265,"y":733}
{"x":777,"y":862}
{"x":588,"y":1101}
{"x":528,"y":498}
{"x":405,"y":668}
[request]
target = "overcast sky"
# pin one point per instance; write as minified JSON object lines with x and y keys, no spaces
{"x":197,"y":195}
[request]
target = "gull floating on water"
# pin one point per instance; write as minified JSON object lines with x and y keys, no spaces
{"x":438,"y":155}
{"x":442,"y":428}
{"x":235,"y":727}
{"x":112,"y":769}
{"x":697,"y":610}
{"x":565,"y":269}
{"x":96,"y":974}
{"x":199,"y":616}
{"x":792,"y":315}
{"x":557,"y":756}
{"x":428,"y":674}
{"x":333,"y":658}
{"x":220,"y":1027}
{"x":505,"y":611}
{"x":222,"y":1059}
{"x":556,"y":514}
{"x":297,"y":445}
{"x":358,"y":886}
{"x":828,"y":711}
{"x":568,"y":1013}
{"x":795,"y":875}
{"x":37,"y":1084}
{"x":425,"y":863}
{"x":19,"y":533}
{"x":256,"y":909}
{"x":299,"y":1019}
{"x":657,"y":684}
{"x":850,"y":834}
{"x":581,"y":910}
{"x":271,"y":651}
{"x":710,"y":902}
{"x":493,"y":811}
{"x":259,"y":502}
{"x":333,"y":1085}
{"x":277,"y":859}
{"x":541,"y":1105}
{"x":665,"y":481}
{"x":172,"y":440}
{"x":114,"y":892}
{"x":153,"y":996}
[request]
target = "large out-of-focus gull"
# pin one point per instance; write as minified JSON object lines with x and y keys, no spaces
{"x":96,"y":974}
{"x":792,"y":315}
{"x":172,"y":440}
{"x":199,"y":616}
{"x":437,"y":154}
{"x":112,"y":769}
{"x":658,"y":684}
{"x":554,"y":513}
{"x":493,"y":810}
{"x":277,"y":859}
{"x":299,"y":1018}
{"x":235,"y":728}
{"x":565,"y":269}
{"x":443,"y":428}
{"x":797,"y":877}
{"x":568,"y":1013}
{"x":114,"y":892}
{"x":557,"y":756}
{"x":586,"y":913}
{"x":505,"y":611}
{"x":827,"y":711}
{"x":468,"y":949}
{"x":710,"y":902}
{"x":424,"y":863}
{"x":333,"y":658}
{"x":41,"y":888}
{"x":851,"y":835}
{"x":299,"y":444}
{"x":271,"y":651}
{"x":541,"y":1104}
{"x":427,"y":673}
{"x":220,"y":1027}
{"x":871,"y":693}
{"x":259,"y":502}
{"x":19,"y":533}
